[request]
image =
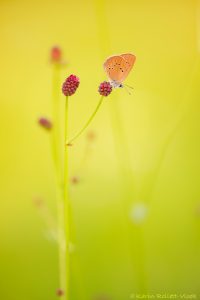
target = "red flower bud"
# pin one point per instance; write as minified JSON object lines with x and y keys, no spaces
{"x":45,"y":123}
{"x":70,"y":85}
{"x":75,"y":180}
{"x":56,"y":54}
{"x":105,"y":88}
{"x":59,"y":292}
{"x":91,"y":136}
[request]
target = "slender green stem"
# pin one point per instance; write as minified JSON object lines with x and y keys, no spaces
{"x":56,"y":154}
{"x":66,"y":204}
{"x":69,"y":225}
{"x":61,"y":241}
{"x":87,"y":123}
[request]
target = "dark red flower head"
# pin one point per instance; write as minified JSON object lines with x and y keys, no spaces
{"x":91,"y":136}
{"x":59,"y":292}
{"x":105,"y":88}
{"x":56,"y":54}
{"x":45,"y":123}
{"x":70,"y":85}
{"x":75,"y":180}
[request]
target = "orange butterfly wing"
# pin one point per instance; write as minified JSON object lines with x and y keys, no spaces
{"x":117,"y":67}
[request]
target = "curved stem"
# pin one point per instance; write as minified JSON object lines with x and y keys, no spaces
{"x":87,"y":123}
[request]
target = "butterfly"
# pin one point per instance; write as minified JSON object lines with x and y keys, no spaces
{"x":118,"y":67}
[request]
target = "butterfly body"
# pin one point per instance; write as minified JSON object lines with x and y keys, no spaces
{"x":118,"y":67}
{"x":116,"y":84}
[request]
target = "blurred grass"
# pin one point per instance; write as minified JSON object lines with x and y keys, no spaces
{"x":165,"y":37}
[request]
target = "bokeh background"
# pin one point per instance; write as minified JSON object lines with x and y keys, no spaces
{"x":136,"y":206}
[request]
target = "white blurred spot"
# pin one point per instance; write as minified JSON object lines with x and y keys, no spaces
{"x":138,"y":212}
{"x":51,"y":235}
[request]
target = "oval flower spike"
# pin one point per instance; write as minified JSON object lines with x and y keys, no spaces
{"x":59,"y":292}
{"x":118,"y":67}
{"x":56,"y":54}
{"x":45,"y":123}
{"x":91,"y":136}
{"x":75,"y":180}
{"x":105,"y":88}
{"x":70,"y":85}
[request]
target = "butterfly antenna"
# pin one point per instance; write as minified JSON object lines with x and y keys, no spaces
{"x":127,"y":89}
{"x":128,"y":86}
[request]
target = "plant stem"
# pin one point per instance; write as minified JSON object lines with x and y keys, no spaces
{"x":61,"y":241}
{"x":66,"y":204}
{"x":69,"y":229}
{"x":88,"y":122}
{"x":56,"y":154}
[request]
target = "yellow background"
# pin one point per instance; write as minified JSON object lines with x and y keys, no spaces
{"x":146,"y":148}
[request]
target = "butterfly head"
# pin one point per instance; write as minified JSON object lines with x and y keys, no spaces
{"x":116,"y":84}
